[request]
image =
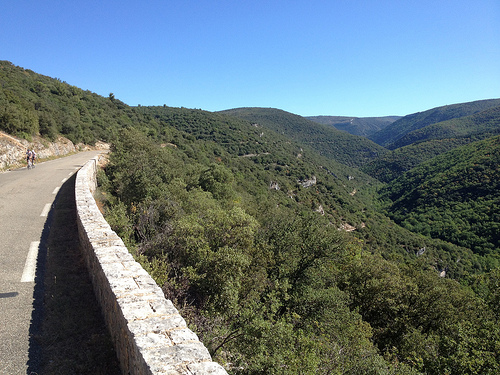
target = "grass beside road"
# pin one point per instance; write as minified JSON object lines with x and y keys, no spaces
{"x":73,"y":337}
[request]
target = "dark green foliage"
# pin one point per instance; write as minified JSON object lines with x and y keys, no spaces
{"x":423,"y":144}
{"x":393,"y":164}
{"x":259,"y":288}
{"x":455,"y":197}
{"x":364,"y":126}
{"x":18,"y":120}
{"x":407,"y":124}
{"x":477,"y":126}
{"x":32,"y":104}
{"x":279,"y":289}
{"x":410,"y":310}
{"x":334,"y":144}
{"x":217,"y":179}
{"x":47,"y":126}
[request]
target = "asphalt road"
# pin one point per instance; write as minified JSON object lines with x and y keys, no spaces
{"x":26,"y":197}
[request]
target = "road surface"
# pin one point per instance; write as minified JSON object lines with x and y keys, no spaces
{"x":26,"y":197}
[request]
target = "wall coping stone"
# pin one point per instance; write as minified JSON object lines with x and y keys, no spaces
{"x":149,"y":334}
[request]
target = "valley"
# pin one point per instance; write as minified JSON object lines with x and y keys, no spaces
{"x":385,"y":261}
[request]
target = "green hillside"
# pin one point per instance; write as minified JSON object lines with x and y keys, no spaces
{"x":260,"y":263}
{"x":425,"y":143}
{"x":477,"y":126}
{"x":328,"y":141}
{"x":394,"y":163}
{"x":31,"y":103}
{"x":363,"y":126}
{"x":398,"y":129}
{"x":455,"y":197}
{"x":278,"y":256}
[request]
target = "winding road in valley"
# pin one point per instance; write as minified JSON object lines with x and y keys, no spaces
{"x":26,"y":200}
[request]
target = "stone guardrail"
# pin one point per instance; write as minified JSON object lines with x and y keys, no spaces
{"x":149,"y":335}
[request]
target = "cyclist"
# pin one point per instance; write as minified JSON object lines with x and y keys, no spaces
{"x":28,"y":158}
{"x":33,"y":157}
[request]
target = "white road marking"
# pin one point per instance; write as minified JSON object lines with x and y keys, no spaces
{"x":46,"y":210}
{"x":30,"y":265}
{"x":56,"y":190}
{"x":64,"y":180}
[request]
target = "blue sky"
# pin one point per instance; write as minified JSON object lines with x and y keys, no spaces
{"x":308,"y":57}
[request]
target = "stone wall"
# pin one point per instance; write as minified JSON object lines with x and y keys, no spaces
{"x":150,"y":336}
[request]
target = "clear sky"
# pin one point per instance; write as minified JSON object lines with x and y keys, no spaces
{"x":308,"y":57}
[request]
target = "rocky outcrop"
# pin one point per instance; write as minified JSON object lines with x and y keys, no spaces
{"x":274,"y":186}
{"x":13,"y":150}
{"x":308,"y":182}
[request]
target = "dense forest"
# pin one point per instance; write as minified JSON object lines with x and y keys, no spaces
{"x":454,"y":196}
{"x":428,"y":141}
{"x":394,"y":163}
{"x":279,"y":251}
{"x":343,"y":147}
{"x":392,"y":133}
{"x":364,"y":126}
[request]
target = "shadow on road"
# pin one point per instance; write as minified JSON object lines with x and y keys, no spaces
{"x":67,"y":332}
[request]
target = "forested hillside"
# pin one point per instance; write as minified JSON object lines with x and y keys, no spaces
{"x":274,"y":247}
{"x":478,"y":126}
{"x":455,"y":197}
{"x":267,"y":281}
{"x":427,"y":142}
{"x":398,"y":129}
{"x":364,"y":126}
{"x":31,"y":103}
{"x":326,"y":140}
{"x":394,"y":163}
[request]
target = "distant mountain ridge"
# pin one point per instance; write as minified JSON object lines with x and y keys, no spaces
{"x":363,"y":126}
{"x":388,"y":136}
{"x":351,"y":150}
{"x":480,"y":125}
{"x":427,"y":142}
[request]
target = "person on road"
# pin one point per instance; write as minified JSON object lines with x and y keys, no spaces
{"x":33,"y":157}
{"x":28,"y":157}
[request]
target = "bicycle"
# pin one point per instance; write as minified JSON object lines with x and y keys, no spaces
{"x":30,"y":164}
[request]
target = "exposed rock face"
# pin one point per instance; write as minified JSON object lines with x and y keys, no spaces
{"x":13,"y":150}
{"x":320,"y":209}
{"x":309,"y":182}
{"x":274,"y":185}
{"x":347,"y":227}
